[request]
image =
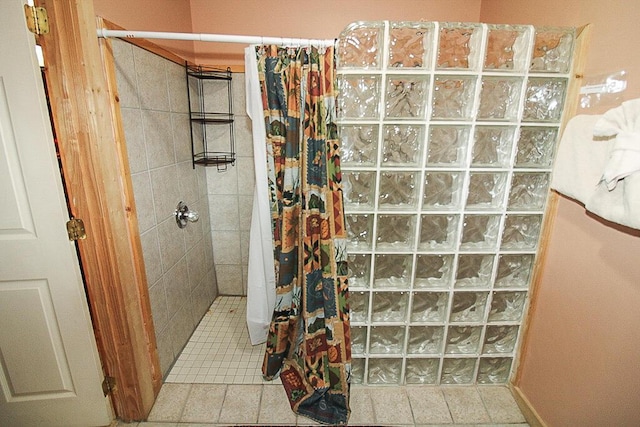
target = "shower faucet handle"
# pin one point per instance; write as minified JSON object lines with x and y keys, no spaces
{"x":184,"y":215}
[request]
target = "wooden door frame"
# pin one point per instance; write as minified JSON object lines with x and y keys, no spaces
{"x":97,"y":180}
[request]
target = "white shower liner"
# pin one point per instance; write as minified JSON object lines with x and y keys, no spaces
{"x":261,"y":282}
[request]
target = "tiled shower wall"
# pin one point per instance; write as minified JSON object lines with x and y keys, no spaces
{"x":448,"y":133}
{"x":231,"y":189}
{"x":179,"y":262}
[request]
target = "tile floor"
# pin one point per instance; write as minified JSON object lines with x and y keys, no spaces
{"x":219,"y":351}
{"x":217,"y":381}
{"x":182,"y":405}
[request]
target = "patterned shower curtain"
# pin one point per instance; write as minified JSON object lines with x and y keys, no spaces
{"x":308,"y":343}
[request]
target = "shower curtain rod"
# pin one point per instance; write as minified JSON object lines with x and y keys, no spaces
{"x":221,"y":38}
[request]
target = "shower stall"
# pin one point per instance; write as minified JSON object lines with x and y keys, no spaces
{"x":448,"y":134}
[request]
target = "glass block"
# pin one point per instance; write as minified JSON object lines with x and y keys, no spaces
{"x":447,"y":145}
{"x":359,"y":96}
{"x":468,"y":306}
{"x":406,"y":96}
{"x":463,"y":340}
{"x":422,"y":371}
{"x":459,"y":46}
{"x":359,"y":306}
{"x":392,"y":271}
{"x":494,"y":370}
{"x":389,"y":306}
{"x":544,"y":100}
{"x":514,"y":271}
{"x":442,"y":190}
{"x":507,"y":306}
{"x":359,"y":231}
{"x":359,"y":270}
{"x":486,"y":190}
{"x":398,"y":190}
{"x":480,"y":232}
{"x":499,"y":98}
{"x":425,"y":340}
{"x":396,"y":232}
{"x":506,"y":48}
{"x":500,"y":339}
{"x":357,"y":370}
{"x":358,"y":339}
{"x":386,"y":339}
{"x":360,"y":45}
{"x":492,"y":146}
{"x":359,"y":145}
{"x":536,"y":147}
{"x":433,"y":271}
{"x":384,"y":371}
{"x":521,"y":232}
{"x":457,"y":371}
{"x":528,"y":191}
{"x":453,"y":97}
{"x":429,"y":306}
{"x":553,"y":50}
{"x":438,"y":232}
{"x":402,"y":145}
{"x":474,"y":271}
{"x":410,"y":44}
{"x":358,"y":189}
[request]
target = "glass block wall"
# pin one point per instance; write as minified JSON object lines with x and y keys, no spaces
{"x":448,"y":134}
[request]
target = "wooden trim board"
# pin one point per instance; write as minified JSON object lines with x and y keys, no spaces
{"x":161,"y":51}
{"x":96,"y":176}
{"x":528,"y":411}
{"x":143,"y":43}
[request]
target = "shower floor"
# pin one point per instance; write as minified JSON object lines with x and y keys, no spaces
{"x":219,"y":351}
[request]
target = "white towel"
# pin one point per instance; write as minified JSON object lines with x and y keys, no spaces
{"x":603,"y":174}
{"x":623,"y":122}
{"x":579,"y":160}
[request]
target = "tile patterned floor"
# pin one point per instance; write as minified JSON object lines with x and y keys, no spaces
{"x":216,"y":381}
{"x":182,"y":405}
{"x":219,"y":351}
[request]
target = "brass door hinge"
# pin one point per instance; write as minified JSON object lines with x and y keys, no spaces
{"x":37,"y":20}
{"x":75,"y":229}
{"x":108,"y":385}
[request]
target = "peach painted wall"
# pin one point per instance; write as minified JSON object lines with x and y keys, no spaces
{"x":308,"y":19}
{"x":581,"y":363}
{"x":151,"y":15}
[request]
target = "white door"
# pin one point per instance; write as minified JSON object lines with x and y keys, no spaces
{"x":50,"y":371}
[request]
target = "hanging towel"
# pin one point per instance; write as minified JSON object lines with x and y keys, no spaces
{"x":579,"y":160}
{"x":598,"y":163}
{"x":623,"y":122}
{"x":261,"y":282}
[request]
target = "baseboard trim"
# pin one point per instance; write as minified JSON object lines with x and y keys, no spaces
{"x":530,"y":414}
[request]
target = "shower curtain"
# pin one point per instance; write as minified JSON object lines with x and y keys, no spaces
{"x":308,"y":343}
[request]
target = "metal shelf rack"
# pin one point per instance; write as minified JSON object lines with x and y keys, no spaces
{"x":209,"y":148}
